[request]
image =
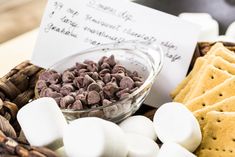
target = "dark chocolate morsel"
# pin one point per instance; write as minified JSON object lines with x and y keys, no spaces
{"x":94,"y":86}
{"x":67,"y":77}
{"x":65,"y":101}
{"x":126,"y":82}
{"x":93,"y":97}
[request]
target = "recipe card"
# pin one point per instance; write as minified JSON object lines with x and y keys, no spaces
{"x":74,"y":25}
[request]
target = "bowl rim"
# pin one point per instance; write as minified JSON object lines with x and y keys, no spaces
{"x":116,"y":45}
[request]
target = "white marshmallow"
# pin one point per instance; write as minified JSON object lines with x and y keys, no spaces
{"x":139,"y":125}
{"x":42,"y":123}
{"x":174,"y":150}
{"x":173,"y":122}
{"x":209,"y":26}
{"x":226,"y":38}
{"x":91,"y":137}
{"x":231,"y":30}
{"x":141,"y":146}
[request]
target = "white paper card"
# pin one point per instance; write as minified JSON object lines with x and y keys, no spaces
{"x":74,"y":25}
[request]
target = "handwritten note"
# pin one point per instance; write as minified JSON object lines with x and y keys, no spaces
{"x":71,"y":26}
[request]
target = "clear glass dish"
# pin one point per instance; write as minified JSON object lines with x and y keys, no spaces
{"x":142,"y":57}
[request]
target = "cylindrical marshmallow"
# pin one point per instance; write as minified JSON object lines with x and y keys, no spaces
{"x":174,"y":150}
{"x":91,"y":137}
{"x":139,"y":125}
{"x":209,"y":28}
{"x":173,"y":122}
{"x":141,"y":146}
{"x":42,"y":123}
{"x":231,"y":30}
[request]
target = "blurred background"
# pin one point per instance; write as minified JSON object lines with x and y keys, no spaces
{"x":20,"y":19}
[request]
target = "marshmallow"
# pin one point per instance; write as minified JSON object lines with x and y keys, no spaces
{"x":174,"y":150}
{"x":209,"y":27}
{"x":139,"y":125}
{"x":226,"y":38}
{"x":92,"y":137}
{"x":173,"y":122}
{"x":141,"y":146}
{"x":231,"y":30}
{"x":42,"y":123}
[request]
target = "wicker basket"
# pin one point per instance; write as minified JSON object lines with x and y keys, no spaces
{"x":17,"y":89}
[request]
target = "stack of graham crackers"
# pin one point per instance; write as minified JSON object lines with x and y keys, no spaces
{"x":209,"y":92}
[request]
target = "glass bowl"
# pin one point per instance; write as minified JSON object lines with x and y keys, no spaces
{"x":142,"y":57}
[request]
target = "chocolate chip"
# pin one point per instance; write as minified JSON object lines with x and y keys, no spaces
{"x":110,"y":60}
{"x":100,"y":83}
{"x":105,"y":66}
{"x":110,"y":89}
{"x":55,"y":87}
{"x":93,"y":97}
{"x":137,"y":79}
{"x":107,"y":78}
{"x":77,"y":105}
{"x":118,"y":68}
{"x":101,"y":61}
{"x":94,"y":86}
{"x":126,"y":82}
{"x":123,"y":91}
{"x":78,"y":82}
{"x":46,"y":75}
{"x":80,"y":66}
{"x":103,"y":72}
{"x":54,"y":78}
{"x":89,"y":84}
{"x":65,"y":101}
{"x":67,"y":77}
{"x":82,"y":97}
{"x":92,"y":68}
{"x":87,"y":80}
{"x":54,"y":95}
{"x":66,"y":89}
{"x":41,"y":84}
{"x":46,"y":92}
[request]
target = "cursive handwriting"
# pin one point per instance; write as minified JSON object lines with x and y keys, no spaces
{"x":125,"y":15}
{"x":141,"y":36}
{"x":70,"y":31}
{"x":102,"y":23}
{"x":103,"y":34}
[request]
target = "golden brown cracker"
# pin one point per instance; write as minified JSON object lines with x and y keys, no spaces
{"x":227,"y":105}
{"x":218,"y":135}
{"x":210,"y":78}
{"x":216,"y":94}
{"x":199,"y":62}
{"x":182,"y":95}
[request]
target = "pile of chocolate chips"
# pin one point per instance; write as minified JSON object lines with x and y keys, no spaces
{"x":89,"y":84}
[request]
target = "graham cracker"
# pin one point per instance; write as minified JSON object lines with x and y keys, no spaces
{"x":218,"y":135}
{"x":199,"y":62}
{"x":227,"y":105}
{"x":211,"y":77}
{"x":216,"y":94}
{"x":183,"y":92}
